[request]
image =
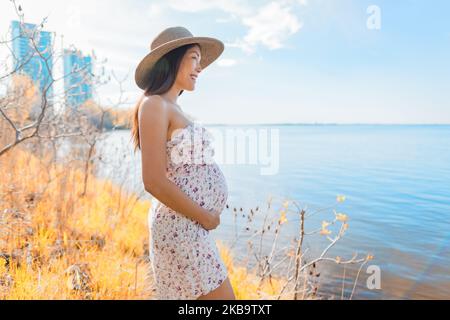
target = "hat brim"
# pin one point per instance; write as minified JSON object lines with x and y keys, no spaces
{"x":211,"y":49}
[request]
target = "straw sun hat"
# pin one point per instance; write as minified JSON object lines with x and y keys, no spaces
{"x":172,"y":38}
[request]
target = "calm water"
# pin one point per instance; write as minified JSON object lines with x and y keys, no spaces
{"x":396,"y":180}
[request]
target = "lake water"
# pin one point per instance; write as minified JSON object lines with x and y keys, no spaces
{"x":396,"y":180}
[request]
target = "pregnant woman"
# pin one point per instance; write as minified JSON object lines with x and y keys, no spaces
{"x":188,"y":188}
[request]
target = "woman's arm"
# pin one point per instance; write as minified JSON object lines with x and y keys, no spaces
{"x":153,"y":126}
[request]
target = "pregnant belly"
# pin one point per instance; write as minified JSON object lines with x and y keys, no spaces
{"x":205,"y":184}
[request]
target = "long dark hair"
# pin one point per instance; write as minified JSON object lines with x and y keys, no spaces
{"x":160,"y":79}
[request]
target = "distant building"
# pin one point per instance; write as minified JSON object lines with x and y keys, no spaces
{"x":38,"y":66}
{"x":78,"y":77}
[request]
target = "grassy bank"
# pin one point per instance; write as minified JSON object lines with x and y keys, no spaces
{"x":58,"y":243}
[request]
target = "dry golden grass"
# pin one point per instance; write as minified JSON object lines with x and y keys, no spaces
{"x":57,"y":244}
{"x":48,"y":227}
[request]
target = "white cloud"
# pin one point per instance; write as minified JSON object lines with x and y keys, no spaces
{"x":155,"y":9}
{"x":238,"y":7}
{"x":231,"y":18}
{"x":271,"y":26}
{"x":241,"y":44}
{"x":226,"y":62}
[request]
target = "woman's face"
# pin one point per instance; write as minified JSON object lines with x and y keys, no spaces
{"x":189,"y":69}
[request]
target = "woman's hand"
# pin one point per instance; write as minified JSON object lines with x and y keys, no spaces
{"x":211,"y":220}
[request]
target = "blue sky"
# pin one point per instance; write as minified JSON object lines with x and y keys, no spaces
{"x":287,"y":61}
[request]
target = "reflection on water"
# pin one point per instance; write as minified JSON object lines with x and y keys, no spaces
{"x":396,"y":179}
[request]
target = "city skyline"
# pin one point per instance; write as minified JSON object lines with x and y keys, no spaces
{"x":24,"y":58}
{"x":35,"y":62}
{"x":78,"y":79}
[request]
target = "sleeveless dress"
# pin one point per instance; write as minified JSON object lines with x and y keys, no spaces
{"x":183,"y":255}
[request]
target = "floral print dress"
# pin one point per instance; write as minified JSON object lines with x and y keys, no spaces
{"x":184,"y":258}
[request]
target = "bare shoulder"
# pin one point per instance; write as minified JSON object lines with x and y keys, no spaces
{"x":154,"y":112}
{"x":154,"y":105}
